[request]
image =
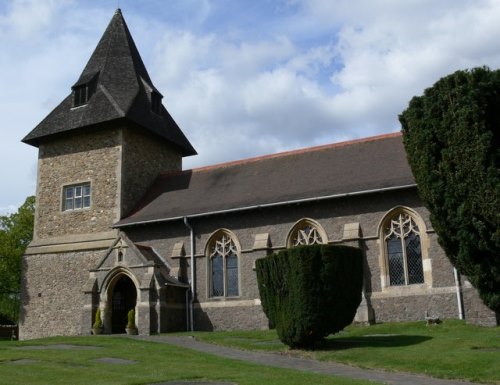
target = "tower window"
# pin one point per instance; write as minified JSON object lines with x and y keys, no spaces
{"x":76,"y":197}
{"x":155,"y":102}
{"x":80,"y":95}
{"x":83,"y":90}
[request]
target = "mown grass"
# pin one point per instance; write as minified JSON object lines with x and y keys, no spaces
{"x":451,"y":349}
{"x":155,"y":363}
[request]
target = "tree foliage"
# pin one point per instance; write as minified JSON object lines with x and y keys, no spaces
{"x":16,"y":232}
{"x":309,"y":292}
{"x":451,"y":135}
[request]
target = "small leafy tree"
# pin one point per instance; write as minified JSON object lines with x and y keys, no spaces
{"x":309,"y":292}
{"x":452,"y":136}
{"x":16,"y":232}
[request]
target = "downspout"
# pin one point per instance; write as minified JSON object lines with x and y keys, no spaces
{"x":459,"y":294}
{"x":191,"y":282}
{"x":187,"y":309}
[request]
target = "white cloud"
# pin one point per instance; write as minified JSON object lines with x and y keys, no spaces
{"x":8,"y":210}
{"x":245,"y":80}
{"x":25,"y":18}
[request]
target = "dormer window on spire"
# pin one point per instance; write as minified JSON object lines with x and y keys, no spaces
{"x":80,"y":95}
{"x":156,"y":102}
{"x":83,"y":90}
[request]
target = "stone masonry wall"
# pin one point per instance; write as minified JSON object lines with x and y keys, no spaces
{"x":475,"y":310}
{"x":52,"y":293}
{"x":390,"y":304}
{"x":413,"y":308}
{"x":243,"y":317}
{"x":408,"y":303}
{"x":92,"y":157}
{"x":120,"y":165}
{"x":144,"y":157}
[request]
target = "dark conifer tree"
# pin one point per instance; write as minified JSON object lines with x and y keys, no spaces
{"x":451,"y":135}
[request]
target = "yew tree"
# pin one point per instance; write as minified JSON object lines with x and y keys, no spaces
{"x":309,"y":292}
{"x":451,"y":134}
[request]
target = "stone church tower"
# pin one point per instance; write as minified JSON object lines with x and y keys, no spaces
{"x":99,"y":151}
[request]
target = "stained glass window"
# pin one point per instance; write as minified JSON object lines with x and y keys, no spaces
{"x":224,"y":267}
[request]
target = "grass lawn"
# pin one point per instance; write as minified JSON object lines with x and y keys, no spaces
{"x":155,"y":363}
{"x":448,"y":350}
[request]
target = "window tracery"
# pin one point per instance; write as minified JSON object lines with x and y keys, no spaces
{"x":404,"y":250}
{"x":223,"y":256}
{"x":306,"y":232}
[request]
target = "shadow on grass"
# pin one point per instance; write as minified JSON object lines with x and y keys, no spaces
{"x":374,"y":341}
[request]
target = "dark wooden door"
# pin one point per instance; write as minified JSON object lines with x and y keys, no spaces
{"x":124,"y":299}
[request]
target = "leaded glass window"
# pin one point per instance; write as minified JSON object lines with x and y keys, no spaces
{"x":404,"y":251}
{"x":76,"y":197}
{"x":224,"y":267}
{"x":305,"y":233}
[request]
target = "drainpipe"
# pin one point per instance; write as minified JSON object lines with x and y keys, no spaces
{"x":187,"y":309}
{"x":191,"y":282}
{"x":459,"y":294}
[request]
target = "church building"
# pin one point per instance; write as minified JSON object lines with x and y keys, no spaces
{"x":120,"y":225}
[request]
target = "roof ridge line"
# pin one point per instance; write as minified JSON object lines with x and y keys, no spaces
{"x":111,"y":99}
{"x":285,"y":153}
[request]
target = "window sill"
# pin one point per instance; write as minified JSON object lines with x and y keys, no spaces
{"x":402,"y":290}
{"x":75,"y":210}
{"x":221,"y":299}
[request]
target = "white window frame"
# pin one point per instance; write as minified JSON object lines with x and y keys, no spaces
{"x":77,"y":197}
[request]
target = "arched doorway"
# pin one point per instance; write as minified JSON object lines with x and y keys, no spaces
{"x":124,"y":298}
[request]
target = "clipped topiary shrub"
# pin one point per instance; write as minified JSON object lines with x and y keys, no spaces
{"x":131,"y":319}
{"x":309,"y":292}
{"x":131,"y":327}
{"x":98,"y":320}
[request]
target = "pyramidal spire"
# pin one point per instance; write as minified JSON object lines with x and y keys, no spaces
{"x":116,"y":55}
{"x":114,"y":85}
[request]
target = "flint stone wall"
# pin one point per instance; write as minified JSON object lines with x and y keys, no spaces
{"x":93,"y":158}
{"x":120,"y":165}
{"x":390,"y":304}
{"x":52,"y":293}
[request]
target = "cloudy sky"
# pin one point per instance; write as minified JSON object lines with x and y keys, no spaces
{"x":242,"y":77}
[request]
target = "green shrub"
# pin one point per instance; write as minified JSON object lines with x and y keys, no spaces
{"x":97,"y":321}
{"x":310,"y":292}
{"x":131,"y":319}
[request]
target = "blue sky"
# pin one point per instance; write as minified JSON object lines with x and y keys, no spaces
{"x":242,"y":77}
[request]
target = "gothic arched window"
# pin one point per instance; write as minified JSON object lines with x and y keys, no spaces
{"x":403,"y":250}
{"x":223,"y":265}
{"x":306,"y":232}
